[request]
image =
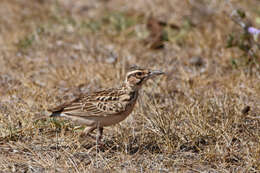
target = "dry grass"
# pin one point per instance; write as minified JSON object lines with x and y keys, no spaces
{"x":188,"y":121}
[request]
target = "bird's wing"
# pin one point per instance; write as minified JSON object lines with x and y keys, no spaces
{"x":62,"y":106}
{"x":102,"y":103}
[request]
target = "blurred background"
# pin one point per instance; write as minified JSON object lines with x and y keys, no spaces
{"x":204,"y":115}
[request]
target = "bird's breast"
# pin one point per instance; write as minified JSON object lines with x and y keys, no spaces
{"x":116,"y":118}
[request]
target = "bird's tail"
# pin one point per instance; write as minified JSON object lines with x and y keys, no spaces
{"x":46,"y":115}
{"x":55,"y":114}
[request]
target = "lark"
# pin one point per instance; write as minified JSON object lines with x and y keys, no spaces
{"x":106,"y":107}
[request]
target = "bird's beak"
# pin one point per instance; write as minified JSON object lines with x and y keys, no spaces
{"x":156,"y":73}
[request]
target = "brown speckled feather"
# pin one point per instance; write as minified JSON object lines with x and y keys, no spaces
{"x":100,"y":103}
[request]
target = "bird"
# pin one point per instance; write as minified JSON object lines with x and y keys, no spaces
{"x":106,"y":107}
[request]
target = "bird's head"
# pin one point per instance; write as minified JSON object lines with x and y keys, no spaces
{"x":137,"y":76}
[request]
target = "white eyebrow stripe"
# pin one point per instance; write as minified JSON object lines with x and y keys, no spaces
{"x":132,"y":72}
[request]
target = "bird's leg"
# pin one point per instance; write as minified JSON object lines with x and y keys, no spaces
{"x":99,"y":137}
{"x":100,"y":133}
{"x":87,"y":131}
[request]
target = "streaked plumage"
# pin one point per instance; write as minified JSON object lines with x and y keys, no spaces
{"x":106,"y":107}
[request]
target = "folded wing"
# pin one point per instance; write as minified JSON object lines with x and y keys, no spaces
{"x":90,"y":106}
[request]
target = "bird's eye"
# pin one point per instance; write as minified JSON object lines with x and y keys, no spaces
{"x":139,"y":73}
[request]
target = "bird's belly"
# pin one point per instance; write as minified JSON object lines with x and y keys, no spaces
{"x":111,"y":120}
{"x":101,"y":120}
